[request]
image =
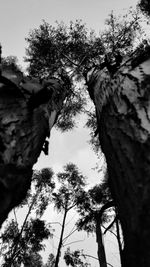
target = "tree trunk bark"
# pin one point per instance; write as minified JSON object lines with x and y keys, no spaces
{"x":61,"y":239}
{"x":101,"y":250}
{"x":123,"y":113}
{"x":25,"y":122}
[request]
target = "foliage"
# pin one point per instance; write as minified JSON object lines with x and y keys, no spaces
{"x":71,"y":185}
{"x":33,"y":259}
{"x":21,"y":243}
{"x":90,"y":206}
{"x":69,"y":52}
{"x":30,"y":242}
{"x":92,"y":214}
{"x":122,"y":33}
{"x":91,"y":124}
{"x":48,"y":53}
{"x":145,"y":7}
{"x":66,"y":197}
{"x":40,"y":194}
{"x":73,"y":258}
{"x":10,"y":62}
{"x":51,"y":261}
{"x":61,"y":48}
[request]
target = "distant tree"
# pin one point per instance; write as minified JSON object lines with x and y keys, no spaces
{"x":73,"y":258}
{"x":22,"y":243}
{"x":66,"y":197}
{"x":92,"y":215}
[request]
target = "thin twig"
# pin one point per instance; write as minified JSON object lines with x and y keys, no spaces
{"x":110,"y":231}
{"x":74,"y":242}
{"x":86,"y":255}
{"x":110,"y":225}
{"x":64,"y":240}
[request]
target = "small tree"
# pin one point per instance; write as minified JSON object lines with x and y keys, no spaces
{"x":21,"y":243}
{"x":66,"y":197}
{"x":92,"y":207}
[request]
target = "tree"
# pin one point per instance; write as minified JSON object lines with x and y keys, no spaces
{"x":26,"y":119}
{"x":22,"y":243}
{"x":17,"y":161}
{"x":91,"y":208}
{"x":123,"y":128}
{"x":66,"y":198}
{"x":57,"y":56}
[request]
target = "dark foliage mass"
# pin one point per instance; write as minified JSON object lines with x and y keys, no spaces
{"x":69,"y":52}
{"x":90,"y":204}
{"x":22,"y":242}
{"x":145,"y":7}
{"x":73,"y":258}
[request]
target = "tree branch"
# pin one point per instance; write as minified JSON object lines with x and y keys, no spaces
{"x":69,"y":59}
{"x":69,"y":235}
{"x":110,"y":225}
{"x":106,"y":206}
{"x":110,"y":231}
{"x":74,"y":242}
{"x":87,"y":255}
{"x":21,"y":231}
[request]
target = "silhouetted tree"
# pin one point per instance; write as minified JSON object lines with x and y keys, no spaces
{"x":66,"y":197}
{"x":22,"y":242}
{"x":91,"y":208}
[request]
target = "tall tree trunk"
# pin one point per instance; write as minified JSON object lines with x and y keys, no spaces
{"x":61,"y":239}
{"x":25,"y":122}
{"x":119,"y":238}
{"x":123,"y":113}
{"x":101,"y":250}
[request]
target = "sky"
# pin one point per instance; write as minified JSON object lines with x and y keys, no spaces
{"x":17,"y":18}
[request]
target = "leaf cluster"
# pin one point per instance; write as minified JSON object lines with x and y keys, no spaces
{"x":62,"y":47}
{"x":145,"y":7}
{"x":22,"y":242}
{"x":51,"y":261}
{"x":11,"y":62}
{"x":71,"y":183}
{"x":29,"y":242}
{"x":40,"y":194}
{"x":91,"y":205}
{"x":69,"y":52}
{"x":73,"y":258}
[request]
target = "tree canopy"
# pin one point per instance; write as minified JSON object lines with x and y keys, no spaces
{"x":69,"y":52}
{"x":22,"y":242}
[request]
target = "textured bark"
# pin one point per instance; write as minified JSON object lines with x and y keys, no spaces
{"x":25,"y":122}
{"x":123,"y":112}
